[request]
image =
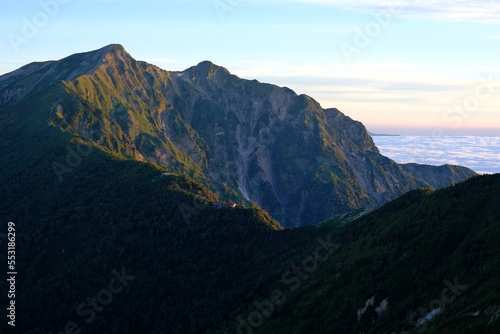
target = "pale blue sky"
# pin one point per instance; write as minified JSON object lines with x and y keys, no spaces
{"x":412,"y":72}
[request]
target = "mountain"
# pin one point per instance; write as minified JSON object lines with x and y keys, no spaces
{"x":247,"y":141}
{"x":108,"y":240}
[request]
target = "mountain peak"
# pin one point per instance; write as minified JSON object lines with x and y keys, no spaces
{"x":207,"y":68}
{"x":50,"y":72}
{"x":207,"y":64}
{"x":113,"y":48}
{"x":116,"y":50}
{"x":97,"y":57}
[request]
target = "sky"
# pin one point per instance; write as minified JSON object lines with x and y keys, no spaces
{"x":421,"y":67}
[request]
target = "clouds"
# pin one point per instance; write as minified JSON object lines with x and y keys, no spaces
{"x":481,"y":154}
{"x":482,"y":11}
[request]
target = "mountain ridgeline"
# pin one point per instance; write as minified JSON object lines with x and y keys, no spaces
{"x":245,"y":140}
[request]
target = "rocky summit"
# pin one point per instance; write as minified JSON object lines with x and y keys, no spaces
{"x":245,"y":140}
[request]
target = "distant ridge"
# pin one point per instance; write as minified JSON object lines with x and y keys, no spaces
{"x":381,"y":135}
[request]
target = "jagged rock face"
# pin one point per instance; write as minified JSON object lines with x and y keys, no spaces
{"x":246,"y":140}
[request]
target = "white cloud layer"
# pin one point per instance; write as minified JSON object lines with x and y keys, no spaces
{"x":481,"y":154}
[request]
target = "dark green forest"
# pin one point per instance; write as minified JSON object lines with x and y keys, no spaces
{"x":83,"y":215}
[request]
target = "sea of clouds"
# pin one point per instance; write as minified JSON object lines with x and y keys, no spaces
{"x":481,"y":154}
